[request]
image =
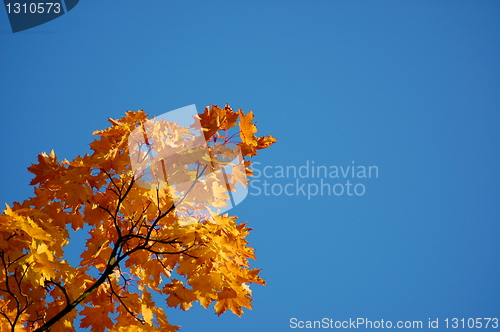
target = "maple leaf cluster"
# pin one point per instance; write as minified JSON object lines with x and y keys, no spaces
{"x":136,"y":242}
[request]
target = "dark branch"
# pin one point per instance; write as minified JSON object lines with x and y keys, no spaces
{"x":58,"y":285}
{"x":120,"y":299}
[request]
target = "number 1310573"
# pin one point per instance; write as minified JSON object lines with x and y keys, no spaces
{"x":33,"y":8}
{"x":471,"y":323}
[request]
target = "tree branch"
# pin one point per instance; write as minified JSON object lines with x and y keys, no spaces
{"x":58,"y":285}
{"x":120,"y":299}
{"x":118,"y":255}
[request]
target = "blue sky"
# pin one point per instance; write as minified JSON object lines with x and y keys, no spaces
{"x":411,"y":87}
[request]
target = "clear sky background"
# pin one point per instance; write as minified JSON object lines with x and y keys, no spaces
{"x":411,"y":87}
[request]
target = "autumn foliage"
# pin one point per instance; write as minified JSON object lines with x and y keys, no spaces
{"x":136,"y":246}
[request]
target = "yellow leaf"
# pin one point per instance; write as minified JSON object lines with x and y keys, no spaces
{"x":179,"y":295}
{"x":247,"y":128}
{"x":41,"y":248}
{"x":147,"y":314}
